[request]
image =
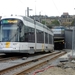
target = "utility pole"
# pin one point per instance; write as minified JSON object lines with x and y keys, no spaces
{"x":28,"y":11}
{"x":73,"y":41}
{"x":35,"y":27}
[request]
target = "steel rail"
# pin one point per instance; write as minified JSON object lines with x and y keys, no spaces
{"x":39,"y":64}
{"x":28,"y":65}
{"x":8,"y":59}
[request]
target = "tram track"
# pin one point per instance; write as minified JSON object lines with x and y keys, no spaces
{"x":2,"y":60}
{"x":25,"y":67}
{"x":7,"y":58}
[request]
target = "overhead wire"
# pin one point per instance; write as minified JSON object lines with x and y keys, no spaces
{"x":55,"y":6}
{"x":21,"y":2}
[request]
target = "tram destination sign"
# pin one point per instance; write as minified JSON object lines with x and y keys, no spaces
{"x":9,"y":21}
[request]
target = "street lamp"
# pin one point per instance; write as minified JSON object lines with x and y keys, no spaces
{"x":28,"y":11}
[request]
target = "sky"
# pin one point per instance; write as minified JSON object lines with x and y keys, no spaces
{"x":39,"y":7}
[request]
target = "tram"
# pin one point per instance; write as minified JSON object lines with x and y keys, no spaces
{"x":20,"y":34}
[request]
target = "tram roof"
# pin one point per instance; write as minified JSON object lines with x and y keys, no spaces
{"x":27,"y":19}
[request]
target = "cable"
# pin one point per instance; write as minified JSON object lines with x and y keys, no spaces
{"x":42,"y":70}
{"x":55,"y":6}
{"x":21,"y":2}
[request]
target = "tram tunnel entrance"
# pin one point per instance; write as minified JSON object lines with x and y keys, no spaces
{"x":58,"y":44}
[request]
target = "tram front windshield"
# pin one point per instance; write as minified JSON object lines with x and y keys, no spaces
{"x":9,"y":32}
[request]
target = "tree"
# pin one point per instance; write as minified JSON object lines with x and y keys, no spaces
{"x":73,"y":23}
{"x":55,"y":23}
{"x":46,"y":23}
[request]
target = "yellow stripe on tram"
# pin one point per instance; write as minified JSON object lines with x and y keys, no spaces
{"x":7,"y":44}
{"x":42,"y":47}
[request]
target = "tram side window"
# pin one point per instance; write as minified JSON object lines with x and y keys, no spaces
{"x":0,"y":32}
{"x":26,"y":34}
{"x":30,"y":35}
{"x":46,"y":37}
{"x":50,"y":39}
{"x":40,"y":36}
{"x":21,"y":32}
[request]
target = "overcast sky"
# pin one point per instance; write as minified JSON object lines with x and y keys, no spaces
{"x":43,"y":7}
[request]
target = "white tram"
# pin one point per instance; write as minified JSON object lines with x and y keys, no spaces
{"x":20,"y":34}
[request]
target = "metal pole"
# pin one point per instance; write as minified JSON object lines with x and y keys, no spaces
{"x":73,"y":41}
{"x":35,"y":26}
{"x":27,"y":11}
{"x":35,"y":32}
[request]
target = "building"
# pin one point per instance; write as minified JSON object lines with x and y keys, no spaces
{"x":65,"y":19}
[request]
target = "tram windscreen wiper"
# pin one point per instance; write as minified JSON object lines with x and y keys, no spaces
{"x":13,"y":37}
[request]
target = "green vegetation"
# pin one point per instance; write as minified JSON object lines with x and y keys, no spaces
{"x":73,"y":23}
{"x":55,"y":23}
{"x":45,"y":23}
